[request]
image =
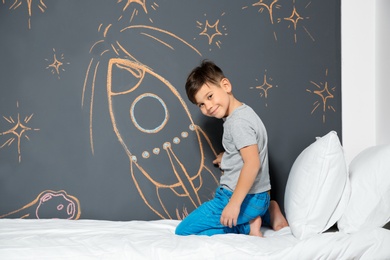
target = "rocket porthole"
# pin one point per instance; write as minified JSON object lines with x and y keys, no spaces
{"x":160,"y":124}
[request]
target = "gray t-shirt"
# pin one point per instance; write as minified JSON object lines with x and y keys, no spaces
{"x":240,"y":129}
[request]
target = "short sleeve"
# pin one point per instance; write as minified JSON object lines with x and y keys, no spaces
{"x":242,"y":134}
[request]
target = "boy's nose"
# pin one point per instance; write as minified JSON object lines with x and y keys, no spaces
{"x":208,"y":106}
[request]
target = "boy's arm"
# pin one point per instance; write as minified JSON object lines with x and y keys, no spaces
{"x":249,"y":171}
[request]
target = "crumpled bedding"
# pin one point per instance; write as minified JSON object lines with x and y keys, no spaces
{"x":99,"y":239}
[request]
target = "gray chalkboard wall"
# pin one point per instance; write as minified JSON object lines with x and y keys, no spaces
{"x":94,"y":120}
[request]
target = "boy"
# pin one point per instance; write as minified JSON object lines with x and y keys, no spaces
{"x":242,"y":199}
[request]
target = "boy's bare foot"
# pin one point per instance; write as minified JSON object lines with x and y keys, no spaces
{"x":278,"y":221}
{"x":255,"y":225}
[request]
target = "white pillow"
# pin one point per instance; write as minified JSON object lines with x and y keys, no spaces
{"x":317,"y":188}
{"x":369,"y":203}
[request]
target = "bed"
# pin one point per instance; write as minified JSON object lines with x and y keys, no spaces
{"x":98,"y":239}
{"x":334,"y":212}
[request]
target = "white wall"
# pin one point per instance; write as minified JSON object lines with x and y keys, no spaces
{"x":364,"y":104}
{"x":382,"y":64}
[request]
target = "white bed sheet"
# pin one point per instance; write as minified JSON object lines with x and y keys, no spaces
{"x":97,"y":239}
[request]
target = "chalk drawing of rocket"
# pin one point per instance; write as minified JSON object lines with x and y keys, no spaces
{"x":155,"y":128}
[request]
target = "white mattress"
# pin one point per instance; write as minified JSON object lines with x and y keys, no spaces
{"x":96,"y":239}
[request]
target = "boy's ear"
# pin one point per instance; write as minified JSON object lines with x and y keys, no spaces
{"x":225,"y":84}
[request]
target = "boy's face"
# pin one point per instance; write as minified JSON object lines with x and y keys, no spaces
{"x":214,"y":100}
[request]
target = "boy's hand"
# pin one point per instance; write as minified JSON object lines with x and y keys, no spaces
{"x":218,"y":159}
{"x":230,"y":214}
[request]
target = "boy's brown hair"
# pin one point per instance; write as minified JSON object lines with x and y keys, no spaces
{"x":206,"y":72}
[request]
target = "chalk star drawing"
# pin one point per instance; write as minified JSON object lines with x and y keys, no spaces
{"x":142,"y":3}
{"x":18,"y":3}
{"x":270,"y":5}
{"x":295,"y":17}
{"x":57,"y":65}
{"x":265,"y":87}
{"x":325,"y":95}
{"x":208,"y":28}
{"x":19,"y":130}
{"x":211,"y":31}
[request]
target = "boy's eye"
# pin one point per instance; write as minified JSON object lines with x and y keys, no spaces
{"x":201,"y":105}
{"x":210,"y":96}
